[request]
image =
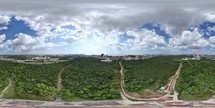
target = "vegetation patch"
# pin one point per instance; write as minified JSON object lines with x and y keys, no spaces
{"x":89,"y":78}
{"x":82,"y":79}
{"x":142,"y":76}
{"x":197,"y":80}
{"x":31,"y":81}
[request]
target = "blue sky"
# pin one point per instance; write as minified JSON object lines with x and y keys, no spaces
{"x":114,"y":28}
{"x":16,"y":27}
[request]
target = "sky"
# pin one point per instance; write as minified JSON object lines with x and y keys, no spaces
{"x":113,"y":27}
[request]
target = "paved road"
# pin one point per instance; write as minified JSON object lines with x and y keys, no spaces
{"x":99,"y":104}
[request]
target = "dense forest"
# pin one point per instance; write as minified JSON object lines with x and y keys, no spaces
{"x":83,"y":79}
{"x":30,"y":81}
{"x":197,"y":80}
{"x":149,"y":74}
{"x":89,"y":78}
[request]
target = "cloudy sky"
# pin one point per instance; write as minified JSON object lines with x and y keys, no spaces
{"x":113,"y":27}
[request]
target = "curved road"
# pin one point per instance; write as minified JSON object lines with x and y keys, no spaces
{"x":165,"y":97}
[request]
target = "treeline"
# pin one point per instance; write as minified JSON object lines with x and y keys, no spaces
{"x":89,"y":78}
{"x":197,"y":80}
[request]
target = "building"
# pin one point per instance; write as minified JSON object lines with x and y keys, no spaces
{"x":106,"y":60}
{"x":195,"y":57}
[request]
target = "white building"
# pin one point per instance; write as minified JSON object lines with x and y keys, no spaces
{"x":106,"y":60}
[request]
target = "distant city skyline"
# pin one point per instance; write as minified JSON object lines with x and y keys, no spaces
{"x":113,"y":27}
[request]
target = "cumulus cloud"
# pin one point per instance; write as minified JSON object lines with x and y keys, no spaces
{"x":3,"y":28}
{"x":5,"y":44}
{"x":108,"y":19}
{"x":209,"y":16}
{"x":24,"y":42}
{"x":4,"y":19}
{"x":145,"y":39}
{"x":52,"y":30}
{"x":111,"y":15}
{"x":189,"y":39}
{"x":2,"y":38}
{"x":211,"y":39}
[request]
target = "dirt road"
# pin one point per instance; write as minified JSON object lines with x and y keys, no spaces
{"x":5,"y":89}
{"x":165,"y":97}
{"x":173,"y":80}
{"x":59,"y":80}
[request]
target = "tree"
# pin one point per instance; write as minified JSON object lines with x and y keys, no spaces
{"x":44,"y":90}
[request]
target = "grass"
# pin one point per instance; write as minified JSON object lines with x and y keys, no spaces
{"x":10,"y":93}
{"x":73,"y":98}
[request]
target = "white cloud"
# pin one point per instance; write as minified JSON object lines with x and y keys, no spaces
{"x":2,"y":38}
{"x":3,"y":28}
{"x":5,"y":44}
{"x":107,"y":15}
{"x":52,"y":30}
{"x":108,"y":19}
{"x":189,"y":39}
{"x":212,"y":46}
{"x":211,"y":39}
{"x":211,"y":29}
{"x":4,"y":19}
{"x":143,"y":40}
{"x":209,"y":16}
{"x":37,"y":23}
{"x":24,"y":42}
